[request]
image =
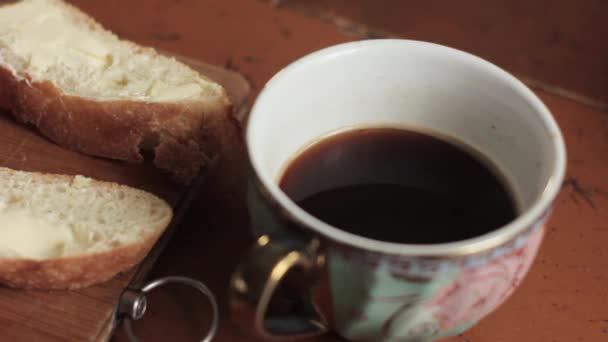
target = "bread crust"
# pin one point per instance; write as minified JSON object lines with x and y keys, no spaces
{"x":74,"y":272}
{"x":71,"y":273}
{"x":183,"y":136}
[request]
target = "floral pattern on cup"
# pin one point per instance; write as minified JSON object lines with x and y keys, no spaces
{"x":478,"y":290}
{"x":397,"y":298}
{"x":446,"y":307}
{"x":410,"y":321}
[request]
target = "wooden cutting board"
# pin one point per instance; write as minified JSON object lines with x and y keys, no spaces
{"x":87,"y":314}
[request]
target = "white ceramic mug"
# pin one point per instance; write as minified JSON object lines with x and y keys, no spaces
{"x":383,"y":290}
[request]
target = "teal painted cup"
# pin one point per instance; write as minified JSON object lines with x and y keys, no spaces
{"x":382,"y":290}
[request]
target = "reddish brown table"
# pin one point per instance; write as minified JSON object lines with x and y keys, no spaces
{"x":565,"y":296}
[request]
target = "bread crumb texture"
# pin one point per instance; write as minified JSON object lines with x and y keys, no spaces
{"x":49,"y":40}
{"x":52,"y":216}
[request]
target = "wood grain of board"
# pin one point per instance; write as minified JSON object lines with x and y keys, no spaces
{"x":83,"y":315}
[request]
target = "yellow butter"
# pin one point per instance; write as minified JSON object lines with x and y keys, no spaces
{"x":45,"y":37}
{"x":25,"y":236}
{"x":41,"y":33}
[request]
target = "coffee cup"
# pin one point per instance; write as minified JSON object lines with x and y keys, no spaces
{"x":380,"y":290}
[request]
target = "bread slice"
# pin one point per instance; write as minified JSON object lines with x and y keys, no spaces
{"x":67,"y":232}
{"x":89,"y":91}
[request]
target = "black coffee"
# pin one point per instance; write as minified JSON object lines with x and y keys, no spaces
{"x":398,"y":185}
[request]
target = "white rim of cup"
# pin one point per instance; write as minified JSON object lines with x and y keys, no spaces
{"x":530,"y":217}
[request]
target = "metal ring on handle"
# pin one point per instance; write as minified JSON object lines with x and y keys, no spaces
{"x":173,"y":280}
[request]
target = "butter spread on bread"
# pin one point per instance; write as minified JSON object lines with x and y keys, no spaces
{"x":87,"y":90}
{"x":24,"y":235}
{"x":67,"y":232}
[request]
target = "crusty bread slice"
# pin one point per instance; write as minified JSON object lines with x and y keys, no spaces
{"x":67,"y":232}
{"x":89,"y":91}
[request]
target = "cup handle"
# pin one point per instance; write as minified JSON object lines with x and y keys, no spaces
{"x":256,"y":280}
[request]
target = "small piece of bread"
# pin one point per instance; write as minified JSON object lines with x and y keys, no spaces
{"x":89,"y":91}
{"x":67,"y":232}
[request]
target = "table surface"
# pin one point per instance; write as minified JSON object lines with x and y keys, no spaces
{"x":565,"y":295}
